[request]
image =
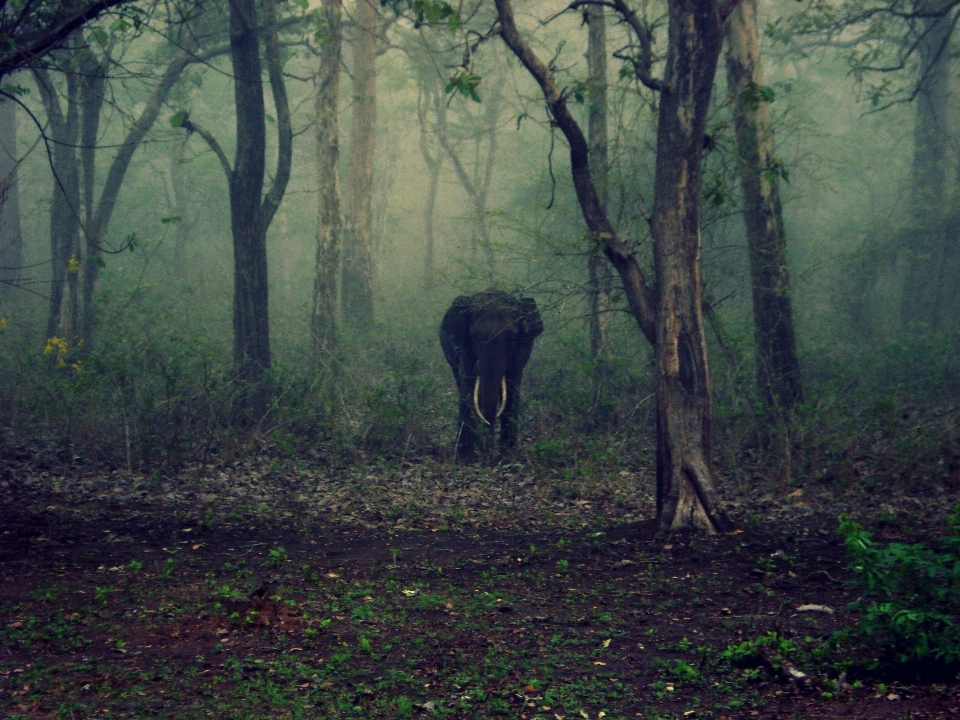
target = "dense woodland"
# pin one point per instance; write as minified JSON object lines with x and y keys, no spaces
{"x":229,"y":232}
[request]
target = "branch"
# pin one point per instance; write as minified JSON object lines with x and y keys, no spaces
{"x":639,"y":293}
{"x":642,"y":63}
{"x":191,"y":126}
{"x":282,"y":103}
{"x":21,"y":56}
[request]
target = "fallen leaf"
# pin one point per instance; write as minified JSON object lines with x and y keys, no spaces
{"x":606,"y":643}
{"x":598,"y":662}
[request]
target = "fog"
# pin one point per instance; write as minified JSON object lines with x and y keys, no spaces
{"x":153,"y":388}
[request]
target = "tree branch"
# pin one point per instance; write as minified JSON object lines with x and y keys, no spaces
{"x":639,"y":293}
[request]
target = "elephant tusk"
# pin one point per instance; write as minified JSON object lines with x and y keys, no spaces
{"x":503,"y":384}
{"x":476,"y":401}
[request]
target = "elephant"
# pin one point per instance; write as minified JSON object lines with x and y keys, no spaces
{"x":487,"y":338}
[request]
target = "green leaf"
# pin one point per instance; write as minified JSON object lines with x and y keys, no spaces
{"x":100,"y":36}
{"x":178,"y":118}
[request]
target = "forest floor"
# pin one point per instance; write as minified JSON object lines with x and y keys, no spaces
{"x":268,"y":589}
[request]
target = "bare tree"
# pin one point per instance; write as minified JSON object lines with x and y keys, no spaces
{"x":670,"y":313}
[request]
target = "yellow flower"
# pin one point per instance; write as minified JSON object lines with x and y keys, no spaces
{"x":59,"y":346}
{"x":73,"y":265}
{"x":77,"y":367}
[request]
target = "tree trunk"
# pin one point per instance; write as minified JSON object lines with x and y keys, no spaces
{"x":686,"y":497}
{"x":598,"y":269}
{"x":357,"y":290}
{"x":11,"y":231}
{"x":323,"y":319}
{"x":926,"y":246}
{"x":669,"y":316}
{"x":778,"y":369}
{"x":65,"y":203}
{"x":430,"y":95}
{"x":91,"y":102}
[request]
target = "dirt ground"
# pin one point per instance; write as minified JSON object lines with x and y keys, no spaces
{"x":266,"y":589}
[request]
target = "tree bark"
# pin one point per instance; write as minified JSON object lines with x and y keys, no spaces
{"x":357,"y":290}
{"x":671,"y":314}
{"x":598,"y":271}
{"x":11,"y":230}
{"x":91,"y":102}
{"x":65,"y":203}
{"x":778,"y":369}
{"x":927,"y":245}
{"x":686,"y":497}
{"x":323,"y":319}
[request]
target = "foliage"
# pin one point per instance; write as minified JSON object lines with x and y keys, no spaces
{"x":911,"y":593}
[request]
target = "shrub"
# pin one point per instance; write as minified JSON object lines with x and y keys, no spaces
{"x":911,"y":594}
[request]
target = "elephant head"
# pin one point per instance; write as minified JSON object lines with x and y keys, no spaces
{"x":487,"y":338}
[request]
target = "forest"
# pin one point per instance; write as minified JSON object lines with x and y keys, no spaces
{"x":407,"y":358}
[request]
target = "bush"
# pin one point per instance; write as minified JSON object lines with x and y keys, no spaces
{"x":911,"y":594}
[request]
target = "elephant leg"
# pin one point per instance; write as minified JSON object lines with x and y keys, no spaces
{"x":509,"y":427}
{"x":466,"y":421}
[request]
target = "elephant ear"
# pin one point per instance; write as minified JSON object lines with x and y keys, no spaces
{"x":456,"y":321}
{"x":530,"y":323}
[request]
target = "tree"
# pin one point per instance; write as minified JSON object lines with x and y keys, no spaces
{"x":11,"y":231}
{"x":925,"y":253}
{"x":65,"y":203}
{"x":323,"y":318}
{"x":882,"y":39}
{"x":600,"y":281}
{"x":357,"y":289}
{"x":250,"y":211}
{"x":778,"y":369}
{"x":669,"y":313}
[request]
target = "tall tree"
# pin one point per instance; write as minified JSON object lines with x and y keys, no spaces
{"x":91,"y":102}
{"x":925,"y":250}
{"x":65,"y":203}
{"x":357,"y":288}
{"x":251,"y":212}
{"x":598,"y":271}
{"x":323,"y":319}
{"x":670,"y":313}
{"x":778,"y":369}
{"x":11,"y":230}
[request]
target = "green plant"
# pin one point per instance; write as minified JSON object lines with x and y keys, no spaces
{"x":910,"y":593}
{"x":276,"y":558}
